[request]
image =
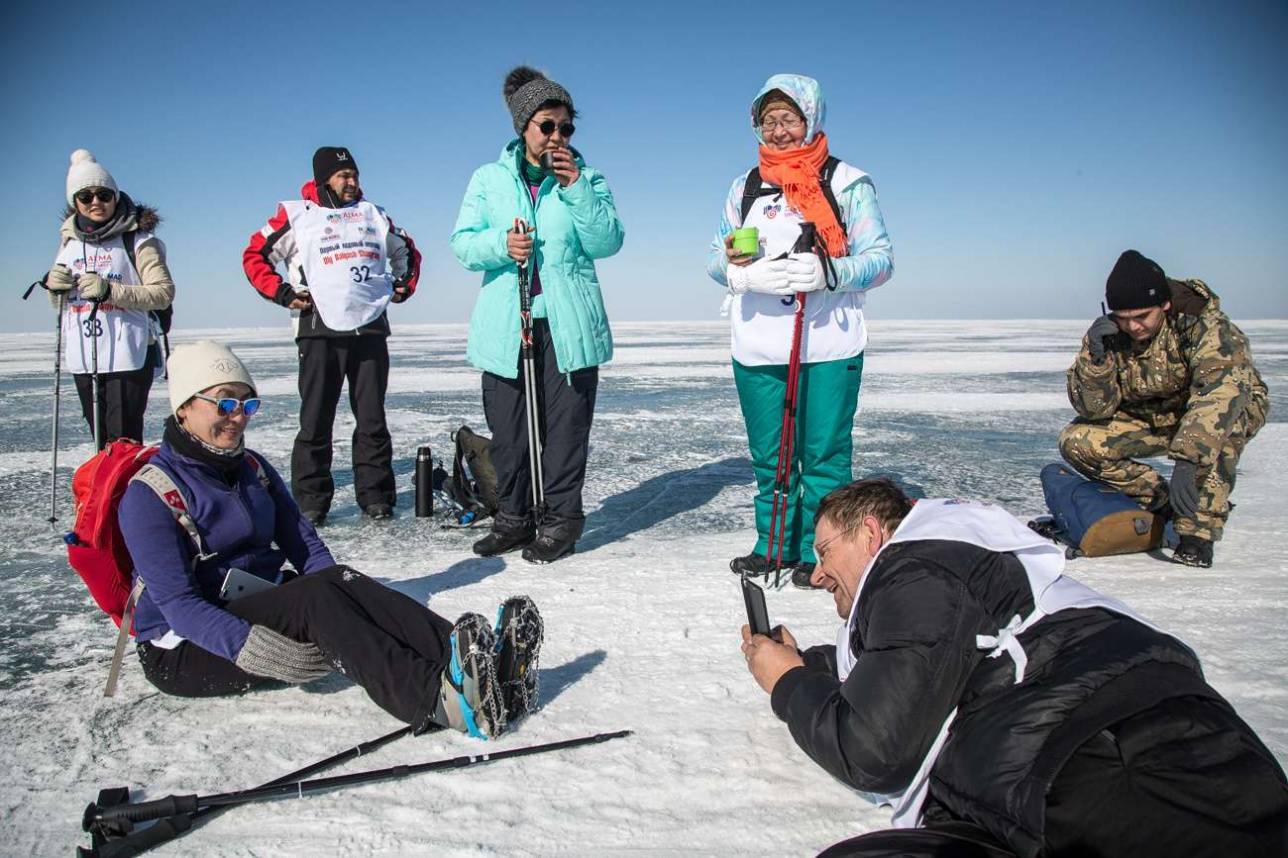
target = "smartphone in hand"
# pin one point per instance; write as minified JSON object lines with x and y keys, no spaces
{"x":757,"y":613}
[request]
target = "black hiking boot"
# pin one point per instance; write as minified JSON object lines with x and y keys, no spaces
{"x":502,"y":541}
{"x":1194,"y":551}
{"x":801,"y":576}
{"x":469,"y":697}
{"x":756,"y":566}
{"x":315,"y":517}
{"x":549,"y":547}
{"x":519,"y":632}
{"x":377,"y":511}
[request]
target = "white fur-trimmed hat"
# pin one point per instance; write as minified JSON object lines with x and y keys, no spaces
{"x":201,"y":365}
{"x":86,"y":172}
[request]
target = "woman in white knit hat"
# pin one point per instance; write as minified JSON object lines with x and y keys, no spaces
{"x":198,"y":638}
{"x":112,"y":287}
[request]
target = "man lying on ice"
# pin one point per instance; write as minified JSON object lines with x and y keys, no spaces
{"x":1003,"y":708}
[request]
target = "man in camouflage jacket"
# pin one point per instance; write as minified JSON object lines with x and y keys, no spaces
{"x":1165,"y":372}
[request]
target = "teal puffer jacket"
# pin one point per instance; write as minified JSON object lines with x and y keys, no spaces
{"x":574,"y":226}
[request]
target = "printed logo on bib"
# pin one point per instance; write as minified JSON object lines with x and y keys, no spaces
{"x":343,"y":256}
{"x":771,"y":211}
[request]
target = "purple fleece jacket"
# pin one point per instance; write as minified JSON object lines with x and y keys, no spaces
{"x":239,"y":523}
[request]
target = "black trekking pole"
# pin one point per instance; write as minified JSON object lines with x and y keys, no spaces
{"x":58,"y":388}
{"x":530,"y":382}
{"x":128,"y":814}
{"x":93,"y":329}
{"x":118,"y":840}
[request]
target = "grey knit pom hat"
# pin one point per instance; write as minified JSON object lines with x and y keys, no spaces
{"x":525,"y":90}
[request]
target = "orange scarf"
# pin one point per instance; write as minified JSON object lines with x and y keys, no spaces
{"x":796,"y":172}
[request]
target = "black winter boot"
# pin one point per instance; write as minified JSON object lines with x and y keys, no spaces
{"x":509,"y":532}
{"x":756,"y":566}
{"x":556,"y":539}
{"x":519,"y":632}
{"x":1194,"y":551}
{"x":801,"y":576}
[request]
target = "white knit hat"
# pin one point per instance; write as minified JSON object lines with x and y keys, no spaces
{"x":86,"y":172}
{"x":200,"y":365}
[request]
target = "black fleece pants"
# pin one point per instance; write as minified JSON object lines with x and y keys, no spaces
{"x":388,"y":643}
{"x":325,"y":364}
{"x":567,"y":407}
{"x":122,"y":400}
{"x":1185,"y":777}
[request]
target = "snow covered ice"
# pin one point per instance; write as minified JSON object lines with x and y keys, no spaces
{"x":641,"y":624}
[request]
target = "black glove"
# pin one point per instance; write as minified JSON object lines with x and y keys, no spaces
{"x":285,"y":294}
{"x":1184,"y":489}
{"x":267,"y":653}
{"x":401,"y":293}
{"x":1102,"y":330}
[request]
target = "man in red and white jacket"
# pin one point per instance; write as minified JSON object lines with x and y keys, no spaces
{"x":345,"y":262}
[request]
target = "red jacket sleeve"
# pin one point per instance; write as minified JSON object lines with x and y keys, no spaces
{"x":261,"y":256}
{"x":412,"y":276}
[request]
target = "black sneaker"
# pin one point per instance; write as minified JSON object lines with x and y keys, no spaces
{"x":469,"y":697}
{"x":801,"y":577}
{"x":549,"y":547}
{"x":519,"y":632}
{"x":1194,"y":551}
{"x":378,"y":511}
{"x":756,"y":566}
{"x":315,"y":517}
{"x":501,"y":541}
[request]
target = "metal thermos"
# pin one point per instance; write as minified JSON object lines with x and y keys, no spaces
{"x":424,"y":483}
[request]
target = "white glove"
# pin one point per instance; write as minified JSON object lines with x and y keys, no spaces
{"x":93,"y":287}
{"x":59,"y":279}
{"x":767,"y":276}
{"x":805,"y":272}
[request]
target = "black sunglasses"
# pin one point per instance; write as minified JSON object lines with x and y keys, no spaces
{"x":548,"y":127}
{"x":87,"y":196}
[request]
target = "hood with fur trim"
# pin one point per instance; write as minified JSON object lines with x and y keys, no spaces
{"x":132,"y":216}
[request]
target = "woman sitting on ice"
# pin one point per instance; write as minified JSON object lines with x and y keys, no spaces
{"x":320,"y":616}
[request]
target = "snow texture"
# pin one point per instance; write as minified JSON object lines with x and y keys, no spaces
{"x":641,"y":624}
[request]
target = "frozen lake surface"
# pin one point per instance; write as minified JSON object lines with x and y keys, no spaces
{"x":641,"y":624}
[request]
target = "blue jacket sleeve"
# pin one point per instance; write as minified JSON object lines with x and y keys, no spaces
{"x":478,"y":244}
{"x":871,"y":260}
{"x":730,"y":219}
{"x":162,"y":554}
{"x":594,"y":215}
{"x":293,"y":533}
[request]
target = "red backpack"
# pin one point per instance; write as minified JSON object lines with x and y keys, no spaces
{"x":95,"y":547}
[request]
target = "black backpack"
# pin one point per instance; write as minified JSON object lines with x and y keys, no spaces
{"x":164,"y":317}
{"x":755,"y":188}
{"x":473,"y":481}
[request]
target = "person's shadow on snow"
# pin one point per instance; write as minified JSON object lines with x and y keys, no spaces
{"x":555,"y":680}
{"x":462,"y":573}
{"x":659,"y":498}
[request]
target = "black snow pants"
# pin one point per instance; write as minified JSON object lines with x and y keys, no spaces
{"x":388,"y":643}
{"x":325,"y":364}
{"x":1185,"y":777}
{"x":122,"y":400}
{"x":567,"y":406}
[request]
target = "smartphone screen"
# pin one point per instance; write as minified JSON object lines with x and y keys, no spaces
{"x":757,"y":613}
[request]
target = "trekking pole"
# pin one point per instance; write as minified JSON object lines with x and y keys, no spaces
{"x":93,"y":329}
{"x":530,"y":382}
{"x":58,"y":386}
{"x":117,"y":840}
{"x":786,"y":439}
{"x":96,"y":816}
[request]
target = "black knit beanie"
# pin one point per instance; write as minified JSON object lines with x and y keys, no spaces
{"x":330,"y":160}
{"x":1136,"y":283}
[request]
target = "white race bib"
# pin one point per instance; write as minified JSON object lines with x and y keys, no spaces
{"x":121,"y":336}
{"x":342,"y":252}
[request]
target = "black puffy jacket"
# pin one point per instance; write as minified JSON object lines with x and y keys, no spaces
{"x":917,"y":659}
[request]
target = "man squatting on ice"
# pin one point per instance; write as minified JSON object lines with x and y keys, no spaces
{"x":476,"y":676}
{"x":345,"y":262}
{"x":109,"y":260}
{"x":1077,"y":727}
{"x":1165,"y":372}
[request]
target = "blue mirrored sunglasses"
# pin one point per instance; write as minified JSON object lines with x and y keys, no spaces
{"x":228,"y":406}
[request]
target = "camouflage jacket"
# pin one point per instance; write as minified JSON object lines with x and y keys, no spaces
{"x":1194,"y":380}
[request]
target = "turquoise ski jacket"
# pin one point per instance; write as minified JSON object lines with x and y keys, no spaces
{"x":574,"y":226}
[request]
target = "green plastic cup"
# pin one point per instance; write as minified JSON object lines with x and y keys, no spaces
{"x":747,"y":240}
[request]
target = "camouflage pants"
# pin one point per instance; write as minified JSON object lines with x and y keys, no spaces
{"x":1106,"y":450}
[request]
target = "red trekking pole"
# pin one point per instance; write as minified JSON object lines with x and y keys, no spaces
{"x":786,"y":439}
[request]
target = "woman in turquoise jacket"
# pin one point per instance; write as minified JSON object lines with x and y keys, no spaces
{"x":570,"y":212}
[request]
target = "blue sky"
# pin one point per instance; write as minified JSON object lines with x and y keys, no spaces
{"x":1016,"y":148}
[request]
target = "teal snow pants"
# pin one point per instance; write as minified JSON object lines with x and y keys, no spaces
{"x":828,"y":394}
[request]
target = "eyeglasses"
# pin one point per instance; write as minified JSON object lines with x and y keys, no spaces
{"x":790,"y":124}
{"x":228,"y":406}
{"x":548,"y":127}
{"x":87,"y":196}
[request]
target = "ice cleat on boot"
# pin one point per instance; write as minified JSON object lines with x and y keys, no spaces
{"x":1194,"y":551}
{"x":469,"y":698}
{"x":519,"y":632}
